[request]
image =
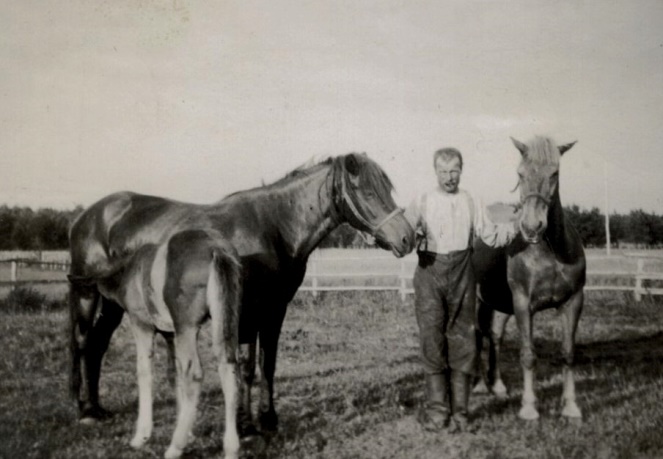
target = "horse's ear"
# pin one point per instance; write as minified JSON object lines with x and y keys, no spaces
{"x":564,"y":148}
{"x":522,"y":148}
{"x":352,"y":164}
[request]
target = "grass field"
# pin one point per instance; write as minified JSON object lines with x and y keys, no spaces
{"x":347,"y":386}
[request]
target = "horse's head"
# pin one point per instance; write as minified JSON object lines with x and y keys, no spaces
{"x":363,"y":199}
{"x":538,"y":180}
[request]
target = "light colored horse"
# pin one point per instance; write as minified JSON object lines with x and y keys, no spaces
{"x":173,"y":288}
{"x":544,"y":267}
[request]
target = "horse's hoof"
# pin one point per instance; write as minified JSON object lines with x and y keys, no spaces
{"x":247,"y":430}
{"x":254,"y":443}
{"x":499,"y":389}
{"x":173,"y":452}
{"x":88,"y":421}
{"x":91,"y":415}
{"x":480,"y":388}
{"x":528,"y":413}
{"x":138,"y":441}
{"x":571,"y":411}
{"x":269,"y":421}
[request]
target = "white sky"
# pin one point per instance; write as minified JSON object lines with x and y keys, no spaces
{"x":195,"y":100}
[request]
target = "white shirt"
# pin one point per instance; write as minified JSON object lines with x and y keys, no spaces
{"x":446,"y":221}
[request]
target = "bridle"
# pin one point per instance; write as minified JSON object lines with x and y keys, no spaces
{"x":546,"y":200}
{"x":356,"y":214}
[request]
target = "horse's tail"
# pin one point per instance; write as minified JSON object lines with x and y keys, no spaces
{"x":224,"y":295}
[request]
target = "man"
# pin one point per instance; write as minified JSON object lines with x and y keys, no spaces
{"x":447,"y":219}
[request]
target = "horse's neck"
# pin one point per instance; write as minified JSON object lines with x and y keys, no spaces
{"x":560,"y":234}
{"x":304,"y":216}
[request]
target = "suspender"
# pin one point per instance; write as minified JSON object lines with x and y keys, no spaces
{"x":422,"y":233}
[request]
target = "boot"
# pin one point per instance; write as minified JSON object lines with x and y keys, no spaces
{"x":460,"y":395}
{"x":434,"y":412}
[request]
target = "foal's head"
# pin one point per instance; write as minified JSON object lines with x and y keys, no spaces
{"x":538,"y":180}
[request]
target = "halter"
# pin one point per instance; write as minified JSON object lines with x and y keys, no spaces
{"x":543,"y":198}
{"x":345,"y":197}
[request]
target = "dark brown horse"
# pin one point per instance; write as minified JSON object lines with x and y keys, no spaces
{"x":544,"y":267}
{"x":273,"y":228}
{"x":173,"y":288}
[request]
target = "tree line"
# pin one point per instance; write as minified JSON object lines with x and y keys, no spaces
{"x":22,"y":228}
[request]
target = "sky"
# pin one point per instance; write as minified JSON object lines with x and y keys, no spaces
{"x":196,"y":100}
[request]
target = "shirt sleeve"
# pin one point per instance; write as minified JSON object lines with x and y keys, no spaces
{"x":413,"y":213}
{"x":492,"y":234}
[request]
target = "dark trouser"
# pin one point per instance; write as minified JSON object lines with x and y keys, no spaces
{"x":445,"y":299}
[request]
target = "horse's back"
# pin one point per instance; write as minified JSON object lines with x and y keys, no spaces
{"x":113,"y":228}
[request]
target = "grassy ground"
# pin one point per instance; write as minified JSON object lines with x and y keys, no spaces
{"x":348,"y":385}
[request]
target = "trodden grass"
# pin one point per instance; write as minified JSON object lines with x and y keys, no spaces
{"x":348,"y":385}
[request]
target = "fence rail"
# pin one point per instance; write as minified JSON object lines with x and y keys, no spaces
{"x":387,"y":272}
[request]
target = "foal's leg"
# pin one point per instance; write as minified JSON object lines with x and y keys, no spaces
{"x":228,"y":374}
{"x":497,"y":386}
{"x":570,"y":314}
{"x":523,"y":315}
{"x":144,"y":337}
{"x":189,"y":378}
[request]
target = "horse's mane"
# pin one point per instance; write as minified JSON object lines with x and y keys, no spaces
{"x":370,"y":173}
{"x":543,"y":150}
{"x":373,"y":177}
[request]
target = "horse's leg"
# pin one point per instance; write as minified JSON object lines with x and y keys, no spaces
{"x":268,"y":342}
{"x":527,"y":357}
{"x":570,"y":314}
{"x":144,"y":337}
{"x":189,"y":378}
{"x":97,"y":344}
{"x":497,"y":386}
{"x":83,"y":304}
{"x":247,"y":367}
{"x":484,"y":318}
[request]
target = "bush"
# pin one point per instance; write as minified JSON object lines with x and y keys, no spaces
{"x":27,"y":299}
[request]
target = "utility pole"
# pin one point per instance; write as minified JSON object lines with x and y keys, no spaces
{"x":607,"y":211}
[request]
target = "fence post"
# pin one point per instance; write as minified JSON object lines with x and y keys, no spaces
{"x":14,"y":274}
{"x":638,"y":280}
{"x":314,"y":275}
{"x":403,"y":280}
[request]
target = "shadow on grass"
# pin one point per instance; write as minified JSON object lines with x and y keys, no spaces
{"x":637,"y":359}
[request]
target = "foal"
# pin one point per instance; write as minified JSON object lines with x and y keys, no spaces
{"x":173,"y":288}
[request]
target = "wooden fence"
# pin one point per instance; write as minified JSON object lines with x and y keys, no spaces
{"x":341,"y":272}
{"x":402,"y":270}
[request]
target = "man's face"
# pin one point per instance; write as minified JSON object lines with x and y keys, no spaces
{"x":448,"y":174}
